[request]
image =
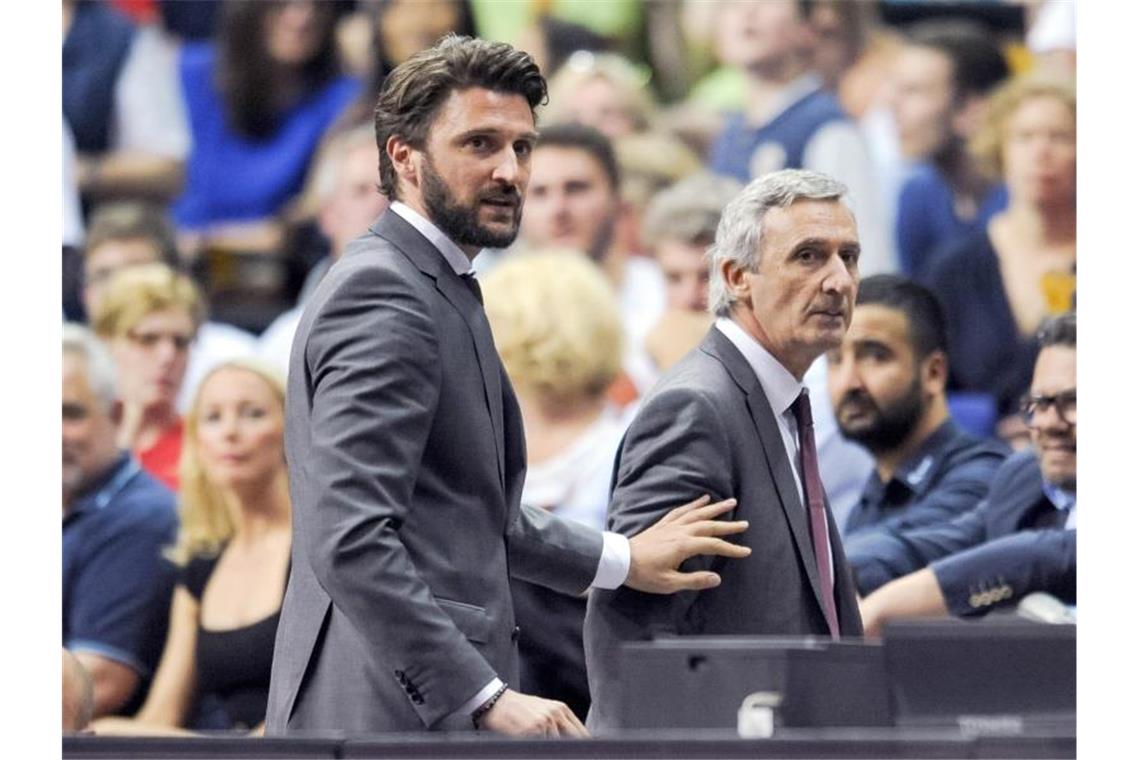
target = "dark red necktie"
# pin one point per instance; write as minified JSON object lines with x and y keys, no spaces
{"x":817,"y":516}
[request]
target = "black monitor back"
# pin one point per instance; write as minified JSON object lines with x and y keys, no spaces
{"x":995,"y":676}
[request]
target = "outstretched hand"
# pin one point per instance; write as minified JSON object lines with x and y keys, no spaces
{"x":657,"y":552}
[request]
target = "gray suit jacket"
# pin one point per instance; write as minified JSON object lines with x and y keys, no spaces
{"x":707,"y":427}
{"x":406,"y":461}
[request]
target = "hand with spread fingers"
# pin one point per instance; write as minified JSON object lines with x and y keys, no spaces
{"x":516,"y":714}
{"x":657,"y":552}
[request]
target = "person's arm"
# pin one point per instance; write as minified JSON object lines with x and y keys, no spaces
{"x":170,"y":696}
{"x":1003,"y":571}
{"x":112,"y":682}
{"x":877,"y":557}
{"x":912,"y":596}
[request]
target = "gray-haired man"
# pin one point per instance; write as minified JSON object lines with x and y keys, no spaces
{"x":732,"y":418}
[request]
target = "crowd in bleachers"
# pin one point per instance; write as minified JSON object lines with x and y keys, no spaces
{"x":219,"y":158}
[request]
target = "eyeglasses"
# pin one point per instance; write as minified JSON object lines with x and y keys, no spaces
{"x":149,"y":340}
{"x":1065,"y":404}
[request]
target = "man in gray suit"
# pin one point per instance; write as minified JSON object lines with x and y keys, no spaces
{"x":732,"y":417}
{"x":405,"y":442}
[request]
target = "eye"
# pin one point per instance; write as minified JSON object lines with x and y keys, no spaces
{"x":478,"y":142}
{"x":523,"y":148}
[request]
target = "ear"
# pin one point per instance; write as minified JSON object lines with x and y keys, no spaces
{"x":402,"y":154}
{"x":935,"y":372}
{"x":736,"y":281}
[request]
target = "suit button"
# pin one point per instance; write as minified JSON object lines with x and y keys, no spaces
{"x":515,"y":634}
{"x":975,"y":600}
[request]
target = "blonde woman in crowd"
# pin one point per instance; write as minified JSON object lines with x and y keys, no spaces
{"x":999,"y":284}
{"x":556,"y":324}
{"x":601,"y":90}
{"x":149,"y":316}
{"x":233,"y":549}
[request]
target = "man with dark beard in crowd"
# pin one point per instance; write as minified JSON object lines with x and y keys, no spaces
{"x":888,"y":386}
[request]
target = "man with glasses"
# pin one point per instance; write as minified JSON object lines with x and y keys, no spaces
{"x":1020,"y":540}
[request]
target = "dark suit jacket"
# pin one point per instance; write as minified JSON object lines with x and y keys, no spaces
{"x":707,"y":427}
{"x":406,"y":462}
{"x":1011,"y":544}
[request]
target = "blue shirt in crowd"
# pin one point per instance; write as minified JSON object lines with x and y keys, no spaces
{"x":230,"y":177}
{"x":116,"y":584}
{"x":948,"y":475}
{"x":927,"y":219}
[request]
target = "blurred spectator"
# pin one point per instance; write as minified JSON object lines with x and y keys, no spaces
{"x":944,"y":74}
{"x":680,"y":224}
{"x":127,"y":234}
{"x":120,"y":98}
{"x":790,"y":121}
{"x":78,"y":694}
{"x":396,"y":30}
{"x":557,"y":327}
{"x":344,"y":186}
{"x":1052,"y":37}
{"x":888,"y":389}
{"x":259,"y":99}
{"x":851,"y":51}
{"x":603,"y":91}
{"x":1000,"y":283}
{"x":573,"y":201}
{"x":149,"y":316}
{"x":1020,"y":540}
{"x":116,"y":519}
{"x":648,"y":162}
{"x":233,"y":548}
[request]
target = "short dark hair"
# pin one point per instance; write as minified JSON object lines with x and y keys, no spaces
{"x":415,"y":90}
{"x":1060,"y":330}
{"x":584,"y":138}
{"x":975,"y":57}
{"x":926,"y":321}
{"x":133,"y":220}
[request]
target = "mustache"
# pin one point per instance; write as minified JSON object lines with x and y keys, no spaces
{"x":508,"y":194}
{"x":856,"y":396}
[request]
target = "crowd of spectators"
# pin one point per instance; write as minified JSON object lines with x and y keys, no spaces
{"x":214,"y":147}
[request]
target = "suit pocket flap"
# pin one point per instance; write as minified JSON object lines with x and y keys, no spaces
{"x":470,"y":619}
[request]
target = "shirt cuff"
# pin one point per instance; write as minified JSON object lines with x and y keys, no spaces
{"x":477,"y":701}
{"x":613,"y":567}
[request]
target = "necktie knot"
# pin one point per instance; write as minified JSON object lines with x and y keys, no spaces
{"x":801,"y":408}
{"x":472,"y":285}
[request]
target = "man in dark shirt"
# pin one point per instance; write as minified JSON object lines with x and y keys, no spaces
{"x":1020,"y":540}
{"x":888,"y":385}
{"x":116,"y":520}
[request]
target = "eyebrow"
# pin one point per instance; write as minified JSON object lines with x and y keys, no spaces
{"x":530,"y":136}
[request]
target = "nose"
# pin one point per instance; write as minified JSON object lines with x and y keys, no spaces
{"x":839,"y":278}
{"x":507,"y":169}
{"x":843,"y":376}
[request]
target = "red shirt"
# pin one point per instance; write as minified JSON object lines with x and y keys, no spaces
{"x":161,"y":459}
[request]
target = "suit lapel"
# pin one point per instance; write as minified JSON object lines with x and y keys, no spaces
{"x":721,"y":348}
{"x":428,"y":260}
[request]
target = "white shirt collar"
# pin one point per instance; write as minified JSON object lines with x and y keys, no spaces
{"x":451,"y":252}
{"x":780,"y":386}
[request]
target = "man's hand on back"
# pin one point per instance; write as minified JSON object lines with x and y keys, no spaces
{"x":689,"y":530}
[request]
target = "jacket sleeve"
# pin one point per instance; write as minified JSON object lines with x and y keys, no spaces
{"x":374,"y":381}
{"x":1006,"y":569}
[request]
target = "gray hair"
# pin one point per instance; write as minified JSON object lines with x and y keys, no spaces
{"x":81,"y":342}
{"x":740,"y":233}
{"x":689,"y":210}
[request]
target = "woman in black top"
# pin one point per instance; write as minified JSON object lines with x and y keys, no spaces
{"x":233,"y":546}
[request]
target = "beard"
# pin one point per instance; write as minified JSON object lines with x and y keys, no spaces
{"x":460,"y":222}
{"x":889,"y":425}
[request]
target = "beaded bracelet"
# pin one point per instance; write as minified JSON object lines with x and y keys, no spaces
{"x":485,"y":708}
